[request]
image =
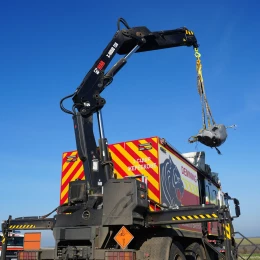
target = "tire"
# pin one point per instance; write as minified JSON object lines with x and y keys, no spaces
{"x":194,"y":252}
{"x":176,"y":252}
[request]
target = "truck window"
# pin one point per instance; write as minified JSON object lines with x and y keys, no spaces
{"x":214,"y":197}
{"x":201,"y":191}
{"x":208,"y":197}
{"x":14,"y":241}
{"x":221,"y":199}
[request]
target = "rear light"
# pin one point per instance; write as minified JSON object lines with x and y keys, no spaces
{"x":120,"y":255}
{"x":212,"y":241}
{"x":28,"y":255}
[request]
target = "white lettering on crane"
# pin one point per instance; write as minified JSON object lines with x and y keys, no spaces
{"x":112,"y":50}
{"x":109,"y":54}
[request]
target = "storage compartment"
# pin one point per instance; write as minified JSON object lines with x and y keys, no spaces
{"x":32,"y":241}
{"x":172,"y":178}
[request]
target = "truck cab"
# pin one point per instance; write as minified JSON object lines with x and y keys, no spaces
{"x":14,"y":245}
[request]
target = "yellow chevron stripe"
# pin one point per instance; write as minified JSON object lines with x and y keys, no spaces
{"x":142,"y":155}
{"x":66,"y":164}
{"x":128,"y":157}
{"x":73,"y":166}
{"x":228,"y":231}
{"x":130,"y":173}
{"x":193,"y":217}
{"x":154,"y":152}
{"x":121,"y":165}
{"x":155,"y":139}
{"x":76,"y":175}
{"x":214,"y":215}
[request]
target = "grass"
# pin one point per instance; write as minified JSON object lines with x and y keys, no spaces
{"x":254,"y":256}
{"x":255,"y":240}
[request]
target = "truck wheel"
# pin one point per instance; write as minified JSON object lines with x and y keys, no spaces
{"x":176,"y":252}
{"x":194,"y":252}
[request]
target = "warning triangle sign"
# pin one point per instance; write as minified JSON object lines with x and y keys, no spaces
{"x":123,"y":237}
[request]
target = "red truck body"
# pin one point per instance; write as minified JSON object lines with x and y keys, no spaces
{"x":172,"y":179}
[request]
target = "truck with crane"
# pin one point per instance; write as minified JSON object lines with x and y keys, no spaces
{"x":14,"y":245}
{"x":134,"y":200}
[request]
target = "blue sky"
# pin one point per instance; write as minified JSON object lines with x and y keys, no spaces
{"x":46,"y":49}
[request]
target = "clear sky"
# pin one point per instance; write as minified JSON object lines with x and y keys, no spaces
{"x":47,"y":47}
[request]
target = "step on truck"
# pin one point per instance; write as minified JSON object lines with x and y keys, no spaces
{"x":134,"y":200}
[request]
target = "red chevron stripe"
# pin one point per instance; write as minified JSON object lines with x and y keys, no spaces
{"x":71,"y":175}
{"x":151,"y":171}
{"x":64,"y":158}
{"x":69,"y":166}
{"x":64,"y":199}
{"x":150,"y":140}
{"x":148,"y":152}
{"x":127,"y":163}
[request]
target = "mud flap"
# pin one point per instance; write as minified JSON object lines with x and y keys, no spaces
{"x":155,"y":248}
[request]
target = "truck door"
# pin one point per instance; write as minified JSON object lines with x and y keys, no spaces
{"x":211,"y":198}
